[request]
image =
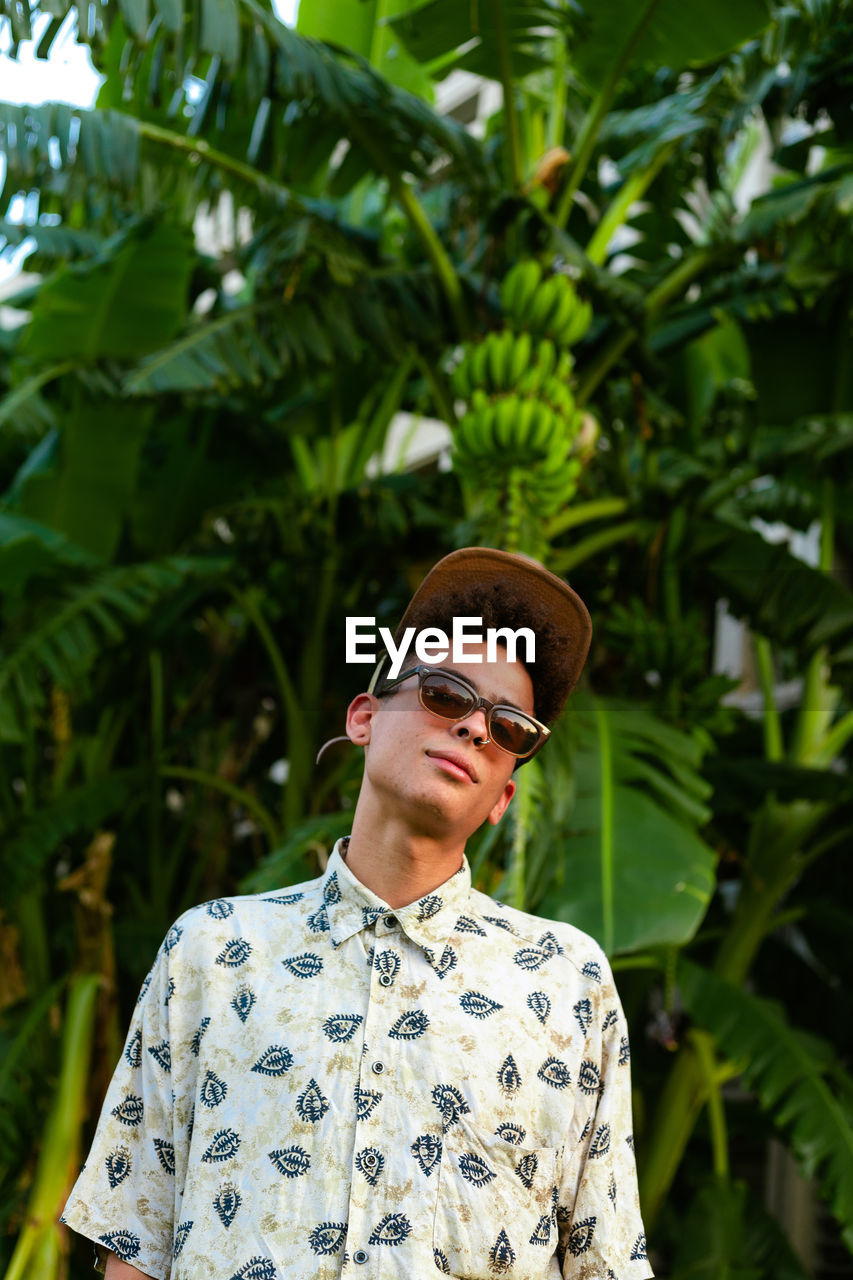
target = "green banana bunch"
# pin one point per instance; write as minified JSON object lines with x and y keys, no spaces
{"x":497,"y":363}
{"x":516,"y":429}
{"x":521,"y":436}
{"x":549,"y":307}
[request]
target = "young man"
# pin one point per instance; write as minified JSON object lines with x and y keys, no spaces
{"x":382,"y":1072}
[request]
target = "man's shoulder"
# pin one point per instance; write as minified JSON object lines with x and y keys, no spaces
{"x":244,"y":914}
{"x":555,"y":937}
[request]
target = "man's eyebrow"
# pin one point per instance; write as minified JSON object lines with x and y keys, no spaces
{"x":504,"y":702}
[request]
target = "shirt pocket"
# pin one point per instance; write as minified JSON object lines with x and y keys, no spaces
{"x":496,"y":1213}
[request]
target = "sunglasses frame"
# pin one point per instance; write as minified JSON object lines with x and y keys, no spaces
{"x":385,"y":685}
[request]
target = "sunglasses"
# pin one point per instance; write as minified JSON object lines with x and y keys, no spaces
{"x":452,"y":698}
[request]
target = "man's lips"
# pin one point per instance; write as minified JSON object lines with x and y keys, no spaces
{"x":458,"y":765}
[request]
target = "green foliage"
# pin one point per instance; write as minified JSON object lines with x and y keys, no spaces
{"x":257,"y":250}
{"x":729,"y":1235}
{"x":635,"y":873}
{"x":67,"y":637}
{"x":791,"y":1074}
{"x":124,"y":306}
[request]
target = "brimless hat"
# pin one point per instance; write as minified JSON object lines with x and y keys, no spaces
{"x":502,"y":581}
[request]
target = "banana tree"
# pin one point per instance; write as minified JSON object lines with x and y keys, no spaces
{"x":253,"y":398}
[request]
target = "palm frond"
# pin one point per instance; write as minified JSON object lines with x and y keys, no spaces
{"x":75,"y":628}
{"x":48,"y":243}
{"x":84,"y":808}
{"x":29,"y":549}
{"x":253,"y":67}
{"x":258,"y":344}
{"x":789,"y":1072}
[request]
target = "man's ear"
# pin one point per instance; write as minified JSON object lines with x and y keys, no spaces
{"x":360,"y":713}
{"x":500,"y":805}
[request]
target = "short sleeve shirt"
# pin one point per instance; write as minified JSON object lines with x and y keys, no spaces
{"x":314,"y":1084}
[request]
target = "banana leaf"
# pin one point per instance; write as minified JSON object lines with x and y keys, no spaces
{"x":124,"y":307}
{"x":791,"y":1074}
{"x":73,"y":629}
{"x":631,"y":868}
{"x":665,"y":33}
{"x":779,"y":595}
{"x":364,"y":28}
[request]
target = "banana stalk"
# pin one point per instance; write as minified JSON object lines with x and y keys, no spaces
{"x":40,"y":1250}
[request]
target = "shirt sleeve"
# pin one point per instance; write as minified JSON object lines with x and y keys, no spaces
{"x":600,"y":1227}
{"x":124,"y":1198}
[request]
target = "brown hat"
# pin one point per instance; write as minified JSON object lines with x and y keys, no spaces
{"x":508,"y":588}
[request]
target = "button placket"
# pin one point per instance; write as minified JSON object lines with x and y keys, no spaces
{"x":374,"y":1078}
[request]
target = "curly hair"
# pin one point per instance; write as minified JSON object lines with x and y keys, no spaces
{"x":500,"y":606}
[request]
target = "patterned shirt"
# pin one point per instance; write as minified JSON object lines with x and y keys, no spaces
{"x":316,"y":1085}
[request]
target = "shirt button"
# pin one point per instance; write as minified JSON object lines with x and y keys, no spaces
{"x":360,"y":1256}
{"x":390,"y":922}
{"x":385,"y":980}
{"x":378,"y":1068}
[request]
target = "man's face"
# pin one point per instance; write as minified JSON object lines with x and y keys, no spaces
{"x":439,"y":775}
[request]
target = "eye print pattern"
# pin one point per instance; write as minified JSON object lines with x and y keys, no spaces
{"x":583,"y":1013}
{"x":580,"y":1236}
{"x":341,"y":1027}
{"x":224,"y":1146}
{"x":226,"y":1203}
{"x":312,"y":1104}
{"x":274,"y":1061}
{"x":478,"y":1005}
{"x":125,"y":1243}
{"x":526,"y":1168}
{"x":213,"y":1090}
{"x":162,"y":1054}
{"x":291,"y":1162}
{"x":195,"y":1043}
{"x":219,"y":909}
{"x":234,"y":953}
{"x":475,"y":1170}
{"x":133,"y":1051}
{"x":427,"y":1151}
{"x":257,"y":1268}
{"x":450,"y":1103}
{"x":318,"y":921}
{"x":129,"y":1111}
{"x":184,"y":1228}
{"x":509,"y":1076}
{"x":118,"y":1164}
{"x":304,"y":966}
{"x":327,"y":1238}
{"x":514,"y":1133}
{"x":409,"y":1026}
{"x":501,"y":1254}
{"x":392,"y":1229}
{"x":370,"y":1163}
{"x":165,"y":1154}
{"x":539,"y":1002}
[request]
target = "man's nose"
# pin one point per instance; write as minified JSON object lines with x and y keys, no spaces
{"x":473,"y":726}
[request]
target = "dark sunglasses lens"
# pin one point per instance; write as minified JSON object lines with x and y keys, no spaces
{"x":444,"y":696}
{"x":513,"y":732}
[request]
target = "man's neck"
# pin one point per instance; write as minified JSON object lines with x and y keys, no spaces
{"x":397,"y":865}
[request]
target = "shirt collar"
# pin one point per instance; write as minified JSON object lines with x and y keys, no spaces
{"x":351,"y":906}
